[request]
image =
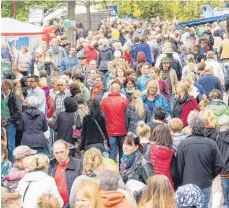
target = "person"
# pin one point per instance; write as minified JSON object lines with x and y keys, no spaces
{"x":120,"y":75}
{"x":18,"y":171}
{"x":210,"y":81}
{"x":144,"y":78}
{"x":135,"y":112}
{"x":33,"y":124}
{"x":184,"y":104}
{"x":94,"y":126}
{"x":158,"y":193}
{"x":5,"y":163}
{"x":64,"y":169}
{"x":114,"y":107}
{"x":189,"y":195}
{"x":16,"y":72}
{"x":88,"y":195}
{"x":37,"y":182}
{"x":37,"y":92}
{"x":66,"y":120}
{"x":70,"y":61}
{"x":11,"y":200}
{"x":48,"y":200}
{"x":108,"y":184}
{"x":23,"y":60}
{"x":97,"y":90}
{"x":190,"y":66}
{"x":14,"y":111}
{"x":153,"y":99}
{"x":49,"y":102}
{"x":143,"y":131}
{"x":175,"y":126}
{"x":17,"y":89}
{"x":90,"y":51}
{"x":54,"y":88}
{"x":129,"y":86}
{"x":203,"y":158}
{"x":133,"y":164}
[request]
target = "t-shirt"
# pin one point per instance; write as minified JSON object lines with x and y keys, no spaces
{"x":61,"y":183}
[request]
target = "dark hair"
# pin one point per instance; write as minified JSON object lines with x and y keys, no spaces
{"x":129,"y":79}
{"x":95,"y":109}
{"x":78,"y":76}
{"x":80,"y":99}
{"x":159,"y":114}
{"x":157,"y":70}
{"x":35,"y":77}
{"x":70,"y":104}
{"x":74,"y":88}
{"x":43,"y":73}
{"x":132,"y":139}
{"x":129,"y":72}
{"x":162,"y":136}
{"x":68,"y":73}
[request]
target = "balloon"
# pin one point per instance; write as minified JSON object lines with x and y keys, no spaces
{"x":53,"y":28}
{"x":137,"y":13}
{"x":67,"y":23}
{"x":45,"y":37}
{"x":46,"y":30}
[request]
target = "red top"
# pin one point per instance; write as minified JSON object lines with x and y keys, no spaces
{"x":61,"y":183}
{"x":164,"y":90}
{"x":91,"y":53}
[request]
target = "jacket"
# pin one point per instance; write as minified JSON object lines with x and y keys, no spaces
{"x":38,"y":183}
{"x":132,"y":118}
{"x":173,"y":78}
{"x":143,"y":47}
{"x":57,"y":53}
{"x":50,"y":106}
{"x":67,"y":63}
{"x":91,"y":53}
{"x":114,"y":107}
{"x":72,"y":171}
{"x":198,"y":156}
{"x":33,"y":124}
{"x":105,"y":55}
{"x":141,"y":170}
{"x":48,"y":67}
{"x":211,"y":133}
{"x":187,"y":107}
{"x":116,"y":199}
{"x":175,"y":64}
{"x":222,"y":141}
{"x":90,"y":132}
{"x":177,"y":138}
{"x":15,"y":107}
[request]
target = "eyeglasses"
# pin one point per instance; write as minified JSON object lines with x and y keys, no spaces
{"x":60,"y":85}
{"x":30,"y":81}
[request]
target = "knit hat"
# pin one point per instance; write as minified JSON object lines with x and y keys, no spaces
{"x":23,"y":151}
{"x":189,"y":195}
{"x":165,"y":60}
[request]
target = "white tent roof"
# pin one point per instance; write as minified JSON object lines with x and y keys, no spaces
{"x":12,"y":27}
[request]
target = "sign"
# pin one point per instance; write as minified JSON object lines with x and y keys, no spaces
{"x":35,"y":15}
{"x":114,"y":10}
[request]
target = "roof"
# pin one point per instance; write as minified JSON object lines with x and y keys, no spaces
{"x":12,"y":27}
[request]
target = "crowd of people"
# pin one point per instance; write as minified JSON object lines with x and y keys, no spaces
{"x":131,"y":115}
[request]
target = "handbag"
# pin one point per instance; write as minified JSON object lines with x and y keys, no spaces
{"x":77,"y":127}
{"x":105,"y":142}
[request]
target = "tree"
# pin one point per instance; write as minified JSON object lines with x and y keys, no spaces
{"x":71,"y":16}
{"x":87,"y":4}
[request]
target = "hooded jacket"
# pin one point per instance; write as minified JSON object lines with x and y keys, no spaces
{"x":211,"y":133}
{"x":91,"y":53}
{"x":33,"y":124}
{"x":116,"y":199}
{"x":38,"y":183}
{"x":105,"y":55}
{"x":57,"y":53}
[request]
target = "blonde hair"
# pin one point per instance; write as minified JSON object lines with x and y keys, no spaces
{"x":139,"y":105}
{"x":210,"y":119}
{"x":184,"y":85}
{"x":158,"y":193}
{"x":89,"y":189}
{"x":36,"y":162}
{"x":150,"y":84}
{"x":48,"y":200}
{"x":176,"y":125}
{"x":92,"y":160}
{"x":43,"y":82}
{"x":142,"y":129}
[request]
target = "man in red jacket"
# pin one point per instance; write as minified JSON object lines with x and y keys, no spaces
{"x":114,"y":107}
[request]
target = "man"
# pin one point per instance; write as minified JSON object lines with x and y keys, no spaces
{"x":16,"y":72}
{"x":111,"y":196}
{"x":64,"y":169}
{"x":93,"y":65}
{"x":114,"y":107}
{"x":144,"y":78}
{"x":70,"y":61}
{"x":170,"y":77}
{"x":210,"y":81}
{"x":136,"y":42}
{"x":33,"y":83}
{"x":199,"y":160}
{"x":59,"y":99}
{"x":13,"y":111}
{"x":54,"y":88}
{"x":18,"y":170}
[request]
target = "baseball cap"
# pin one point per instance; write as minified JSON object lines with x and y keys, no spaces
{"x":23,"y":151}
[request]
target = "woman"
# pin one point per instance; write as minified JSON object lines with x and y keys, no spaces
{"x":24,"y":60}
{"x":160,"y":153}
{"x":17,"y":89}
{"x":133,"y":164}
{"x":37,"y":182}
{"x":136,"y":111}
{"x":98,"y":90}
{"x":190,"y":66}
{"x":88,"y":195}
{"x":121,"y":75}
{"x":129,"y":86}
{"x":49,"y":102}
{"x":153,"y":99}
{"x":94,"y":130}
{"x":158,"y":193}
{"x":33,"y":124}
{"x":184,"y":103}
{"x":65,"y":121}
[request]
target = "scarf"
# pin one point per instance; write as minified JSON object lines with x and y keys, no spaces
{"x":130,"y":91}
{"x":97,"y":88}
{"x":178,"y":105}
{"x":127,"y":161}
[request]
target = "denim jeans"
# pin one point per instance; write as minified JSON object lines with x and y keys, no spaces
{"x":171,"y":102}
{"x":114,"y":142}
{"x":225,"y":185}
{"x":48,"y":148}
{"x":207,"y":195}
{"x":40,"y":150}
{"x":11,"y":135}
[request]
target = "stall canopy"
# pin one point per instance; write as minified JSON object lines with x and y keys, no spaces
{"x":12,"y":27}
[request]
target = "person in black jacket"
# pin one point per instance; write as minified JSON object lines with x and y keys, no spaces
{"x":199,"y":160}
{"x":14,"y":111}
{"x":33,"y":124}
{"x":92,"y":124}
